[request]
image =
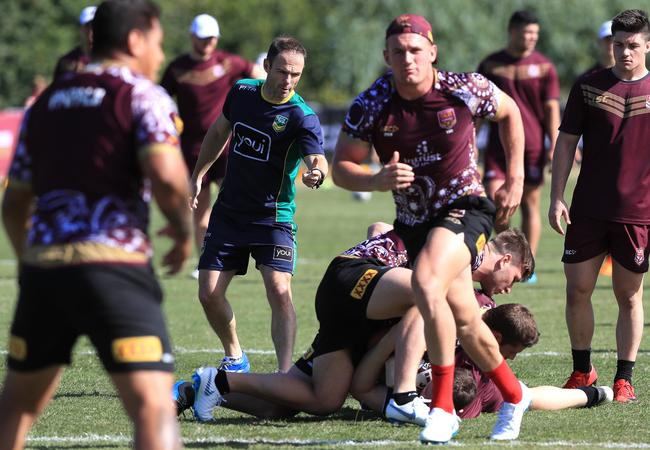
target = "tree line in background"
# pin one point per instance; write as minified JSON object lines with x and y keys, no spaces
{"x":344,"y":38}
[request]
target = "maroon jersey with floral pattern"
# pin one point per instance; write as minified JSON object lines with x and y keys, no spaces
{"x":613,"y":117}
{"x":79,"y":153}
{"x":200,"y":88}
{"x":388,"y":248}
{"x":434,"y":134}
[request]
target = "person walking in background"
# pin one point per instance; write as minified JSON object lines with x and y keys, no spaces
{"x":610,"y":109}
{"x":420,"y":120}
{"x":531,"y":80}
{"x":79,"y":231}
{"x":271,"y":129}
{"x":200,"y":81}
{"x":77,"y":58}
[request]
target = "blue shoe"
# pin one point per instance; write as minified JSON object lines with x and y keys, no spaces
{"x":238,"y":365}
{"x":183,"y":394}
{"x":532,"y":279}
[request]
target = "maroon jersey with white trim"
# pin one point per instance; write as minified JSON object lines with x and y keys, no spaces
{"x":201,"y":87}
{"x":434,"y":134}
{"x":79,"y":154}
{"x":613,"y":116}
{"x":531,"y":81}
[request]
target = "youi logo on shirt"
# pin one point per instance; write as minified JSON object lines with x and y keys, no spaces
{"x":250,"y":142}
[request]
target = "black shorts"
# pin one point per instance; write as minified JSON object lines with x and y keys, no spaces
{"x":341,"y":302}
{"x":471,"y":215}
{"x":117,"y":306}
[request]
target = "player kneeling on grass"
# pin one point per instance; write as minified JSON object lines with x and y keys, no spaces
{"x":365,"y":289}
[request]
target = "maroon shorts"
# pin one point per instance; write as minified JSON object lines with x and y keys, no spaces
{"x":217,"y":171}
{"x":534,"y":163}
{"x":627,"y":243}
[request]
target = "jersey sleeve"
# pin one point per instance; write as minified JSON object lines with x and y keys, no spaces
{"x":552,"y":84}
{"x":574,"y":113}
{"x":240,"y":67}
{"x":20,"y":170}
{"x":155,"y":116}
{"x":227,"y":104}
{"x":361,"y":116}
{"x":481,"y":96}
{"x":310,"y":139}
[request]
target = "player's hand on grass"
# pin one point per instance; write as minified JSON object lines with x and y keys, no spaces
{"x":556,"y":212}
{"x":393,"y":175}
{"x":507,"y":199}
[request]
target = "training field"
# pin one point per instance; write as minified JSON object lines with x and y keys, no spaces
{"x":86,"y":412}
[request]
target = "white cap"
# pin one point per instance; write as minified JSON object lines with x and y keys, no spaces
{"x":87,"y":15}
{"x":605,"y":30}
{"x":204,"y":26}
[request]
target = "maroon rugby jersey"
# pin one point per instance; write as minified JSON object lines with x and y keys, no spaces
{"x":79,"y":152}
{"x":434,"y":134}
{"x":488,"y":397}
{"x":613,"y":116}
{"x":531,"y":81}
{"x":73,"y":61}
{"x":200,"y":88}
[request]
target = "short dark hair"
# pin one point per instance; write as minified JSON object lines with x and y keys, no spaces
{"x":632,"y":21}
{"x":464,"y":388}
{"x":522,"y":18}
{"x":514,"y":322}
{"x":284,"y":44}
{"x":514,"y":242}
{"x":115,"y":19}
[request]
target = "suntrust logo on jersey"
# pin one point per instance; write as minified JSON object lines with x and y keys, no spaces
{"x":250,"y":142}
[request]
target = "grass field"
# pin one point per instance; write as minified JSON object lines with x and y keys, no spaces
{"x":86,"y":412}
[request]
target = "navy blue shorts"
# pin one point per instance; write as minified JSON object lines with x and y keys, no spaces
{"x":228,"y":244}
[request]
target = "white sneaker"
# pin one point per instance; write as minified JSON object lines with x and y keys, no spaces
{"x":510,"y":415}
{"x":207,"y":395}
{"x":195,"y":274}
{"x":416,"y":411}
{"x":440,"y":427}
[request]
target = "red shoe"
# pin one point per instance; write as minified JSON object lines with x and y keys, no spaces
{"x":624,"y":391}
{"x":581,"y":379}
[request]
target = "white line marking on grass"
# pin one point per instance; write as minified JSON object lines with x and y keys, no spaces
{"x":252,"y":351}
{"x":121,"y":439}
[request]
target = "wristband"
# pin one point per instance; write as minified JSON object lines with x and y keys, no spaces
{"x":321,"y":178}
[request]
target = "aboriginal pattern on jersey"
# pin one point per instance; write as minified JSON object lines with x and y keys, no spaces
{"x":387,"y":248}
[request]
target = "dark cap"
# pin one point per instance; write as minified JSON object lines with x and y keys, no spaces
{"x":410,"y":23}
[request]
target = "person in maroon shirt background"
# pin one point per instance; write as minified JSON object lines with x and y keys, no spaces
{"x":200,"y":81}
{"x":610,"y":209}
{"x":605,"y":49}
{"x":77,"y":58}
{"x":95,"y":148}
{"x":531,"y":80}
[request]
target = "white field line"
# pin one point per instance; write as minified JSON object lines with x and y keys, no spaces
{"x":123,"y":439}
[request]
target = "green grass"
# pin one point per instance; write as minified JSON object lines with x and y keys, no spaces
{"x":86,"y":412}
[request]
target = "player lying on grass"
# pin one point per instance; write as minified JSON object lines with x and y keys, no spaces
{"x":365,"y":289}
{"x":514,"y":328}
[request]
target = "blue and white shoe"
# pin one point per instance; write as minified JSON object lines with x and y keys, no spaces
{"x":183,"y":395}
{"x":415,"y":411}
{"x":532,"y":279}
{"x":440,"y":427}
{"x":207,"y":396}
{"x":510,"y":416}
{"x":237,"y":365}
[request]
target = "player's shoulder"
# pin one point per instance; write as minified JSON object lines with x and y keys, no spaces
{"x":599,"y":77}
{"x":469,"y":82}
{"x":539,"y":57}
{"x":497,"y":56}
{"x":222,"y":55}
{"x":380,"y":89}
{"x":302,"y":106}
{"x":247,"y":86}
{"x":181,"y":61}
{"x":144,"y":92}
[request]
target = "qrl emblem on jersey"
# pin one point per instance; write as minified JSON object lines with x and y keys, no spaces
{"x":447,"y":119}
{"x":362,"y":284}
{"x":250,"y":142}
{"x":283,"y":253}
{"x":280,"y":123}
{"x":639,"y":256}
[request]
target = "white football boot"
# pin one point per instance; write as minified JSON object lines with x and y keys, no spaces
{"x":416,"y":411}
{"x":510,"y":416}
{"x":440,"y":427}
{"x":207,"y":395}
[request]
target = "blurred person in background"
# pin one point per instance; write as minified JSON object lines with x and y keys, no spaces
{"x":77,"y":58}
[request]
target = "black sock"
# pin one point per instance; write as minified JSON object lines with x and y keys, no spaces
{"x":581,"y":360}
{"x":593,"y":397}
{"x":389,"y":395}
{"x":402,"y":398}
{"x":221,"y":381}
{"x":624,"y":370}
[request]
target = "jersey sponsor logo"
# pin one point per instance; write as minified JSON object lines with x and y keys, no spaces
{"x":137,"y":349}
{"x":447,"y":119}
{"x":639,"y":256}
{"x":280,"y":123}
{"x":480,"y":242}
{"x":250,"y":142}
{"x":76,"y":97}
{"x":283,"y":253}
{"x":247,"y":87}
{"x":362,"y":284}
{"x":17,"y":348}
{"x":600,"y":99}
{"x":390,"y":130}
{"x":570,"y":252}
